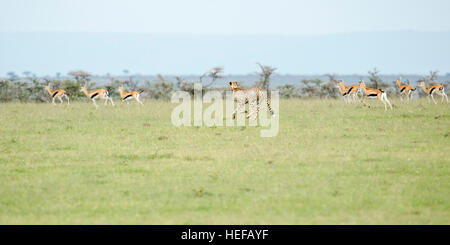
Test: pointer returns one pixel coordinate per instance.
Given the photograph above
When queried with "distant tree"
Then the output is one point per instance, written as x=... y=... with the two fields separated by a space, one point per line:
x=431 y=78
x=214 y=74
x=433 y=75
x=328 y=89
x=311 y=87
x=80 y=76
x=27 y=73
x=331 y=78
x=289 y=91
x=375 y=81
x=160 y=89
x=264 y=76
x=130 y=83
x=11 y=75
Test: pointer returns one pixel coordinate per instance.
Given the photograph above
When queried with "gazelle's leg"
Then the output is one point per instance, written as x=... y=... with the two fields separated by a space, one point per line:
x=445 y=95
x=401 y=96
x=93 y=101
x=386 y=99
x=67 y=97
x=138 y=100
x=110 y=99
x=432 y=97
x=60 y=99
x=364 y=100
x=380 y=98
x=355 y=94
x=53 y=101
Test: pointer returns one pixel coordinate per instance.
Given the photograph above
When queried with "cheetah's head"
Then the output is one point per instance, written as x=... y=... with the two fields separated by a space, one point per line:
x=233 y=84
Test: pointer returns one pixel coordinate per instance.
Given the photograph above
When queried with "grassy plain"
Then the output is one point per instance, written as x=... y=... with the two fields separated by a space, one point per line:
x=331 y=163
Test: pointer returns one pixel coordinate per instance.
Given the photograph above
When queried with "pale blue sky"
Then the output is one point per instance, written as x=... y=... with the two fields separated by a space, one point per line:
x=191 y=36
x=289 y=17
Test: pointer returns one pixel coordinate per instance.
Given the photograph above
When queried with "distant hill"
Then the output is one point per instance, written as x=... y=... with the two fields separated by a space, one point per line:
x=403 y=52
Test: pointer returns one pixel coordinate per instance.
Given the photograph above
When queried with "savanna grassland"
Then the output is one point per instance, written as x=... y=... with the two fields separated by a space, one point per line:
x=331 y=163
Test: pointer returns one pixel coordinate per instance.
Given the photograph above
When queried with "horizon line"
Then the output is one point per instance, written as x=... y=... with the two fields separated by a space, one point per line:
x=221 y=34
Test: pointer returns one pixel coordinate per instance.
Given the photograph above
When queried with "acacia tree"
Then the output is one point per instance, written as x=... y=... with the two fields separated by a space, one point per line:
x=374 y=78
x=215 y=73
x=328 y=89
x=160 y=89
x=431 y=78
x=80 y=76
x=264 y=74
x=375 y=81
x=331 y=77
x=130 y=82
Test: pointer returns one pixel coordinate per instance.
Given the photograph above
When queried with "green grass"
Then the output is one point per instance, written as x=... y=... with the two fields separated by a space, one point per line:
x=331 y=163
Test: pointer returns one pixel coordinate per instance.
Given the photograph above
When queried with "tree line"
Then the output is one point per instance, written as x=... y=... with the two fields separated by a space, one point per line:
x=30 y=88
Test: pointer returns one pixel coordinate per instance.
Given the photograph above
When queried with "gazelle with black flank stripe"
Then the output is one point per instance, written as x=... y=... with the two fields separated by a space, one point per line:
x=347 y=91
x=60 y=93
x=405 y=89
x=374 y=93
x=434 y=89
x=130 y=95
x=98 y=93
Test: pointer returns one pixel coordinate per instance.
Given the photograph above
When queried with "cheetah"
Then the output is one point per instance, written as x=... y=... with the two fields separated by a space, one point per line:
x=251 y=96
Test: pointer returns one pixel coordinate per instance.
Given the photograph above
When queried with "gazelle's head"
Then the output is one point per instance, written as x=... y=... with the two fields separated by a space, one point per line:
x=340 y=86
x=47 y=88
x=120 y=88
x=362 y=84
x=233 y=85
x=83 y=88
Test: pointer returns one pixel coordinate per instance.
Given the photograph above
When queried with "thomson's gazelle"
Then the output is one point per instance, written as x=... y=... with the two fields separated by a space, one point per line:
x=57 y=93
x=375 y=93
x=98 y=93
x=405 y=89
x=128 y=95
x=347 y=91
x=438 y=88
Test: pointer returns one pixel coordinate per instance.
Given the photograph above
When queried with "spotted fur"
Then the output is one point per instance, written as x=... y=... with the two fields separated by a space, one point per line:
x=250 y=96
